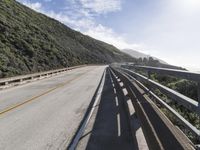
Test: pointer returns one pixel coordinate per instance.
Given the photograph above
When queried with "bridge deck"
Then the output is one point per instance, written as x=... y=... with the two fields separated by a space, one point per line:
x=109 y=129
x=47 y=111
x=47 y=114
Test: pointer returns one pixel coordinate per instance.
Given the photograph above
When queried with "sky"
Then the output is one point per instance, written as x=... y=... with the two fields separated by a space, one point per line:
x=167 y=29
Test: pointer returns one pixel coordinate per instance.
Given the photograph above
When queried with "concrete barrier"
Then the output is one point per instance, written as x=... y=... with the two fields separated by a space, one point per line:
x=18 y=80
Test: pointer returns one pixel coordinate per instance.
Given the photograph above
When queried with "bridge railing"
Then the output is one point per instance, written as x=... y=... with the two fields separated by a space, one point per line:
x=7 y=82
x=172 y=72
x=180 y=99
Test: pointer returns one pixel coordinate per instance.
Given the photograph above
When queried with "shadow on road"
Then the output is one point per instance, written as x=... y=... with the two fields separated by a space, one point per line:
x=111 y=130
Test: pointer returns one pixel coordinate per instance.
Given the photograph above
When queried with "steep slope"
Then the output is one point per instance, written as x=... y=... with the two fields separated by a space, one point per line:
x=138 y=54
x=32 y=42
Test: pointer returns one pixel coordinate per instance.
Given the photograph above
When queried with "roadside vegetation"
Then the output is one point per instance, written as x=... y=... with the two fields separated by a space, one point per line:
x=185 y=87
x=32 y=42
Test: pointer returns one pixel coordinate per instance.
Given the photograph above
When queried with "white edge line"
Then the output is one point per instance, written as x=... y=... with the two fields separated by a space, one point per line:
x=118 y=124
x=82 y=129
x=116 y=100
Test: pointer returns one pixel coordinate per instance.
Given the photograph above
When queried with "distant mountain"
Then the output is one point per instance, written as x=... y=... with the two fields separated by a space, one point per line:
x=149 y=61
x=138 y=54
x=32 y=42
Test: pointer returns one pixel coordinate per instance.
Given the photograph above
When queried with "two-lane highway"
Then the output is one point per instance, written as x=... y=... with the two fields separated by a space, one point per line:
x=46 y=113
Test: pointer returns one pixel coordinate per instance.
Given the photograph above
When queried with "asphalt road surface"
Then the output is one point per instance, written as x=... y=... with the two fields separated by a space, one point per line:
x=46 y=113
x=110 y=128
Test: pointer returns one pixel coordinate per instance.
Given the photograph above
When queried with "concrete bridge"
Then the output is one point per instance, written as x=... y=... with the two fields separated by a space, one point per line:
x=94 y=108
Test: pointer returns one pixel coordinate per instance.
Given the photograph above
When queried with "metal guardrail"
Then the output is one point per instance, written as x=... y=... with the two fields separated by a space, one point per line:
x=172 y=72
x=159 y=132
x=190 y=104
x=177 y=73
x=183 y=100
x=18 y=79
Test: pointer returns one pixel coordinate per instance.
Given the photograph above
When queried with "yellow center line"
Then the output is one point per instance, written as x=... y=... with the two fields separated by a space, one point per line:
x=35 y=97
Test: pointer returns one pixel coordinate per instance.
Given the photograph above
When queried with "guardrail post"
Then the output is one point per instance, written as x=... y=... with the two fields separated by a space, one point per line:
x=198 y=89
x=149 y=74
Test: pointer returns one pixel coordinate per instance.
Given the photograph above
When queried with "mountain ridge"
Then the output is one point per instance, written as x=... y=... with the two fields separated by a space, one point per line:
x=138 y=54
x=32 y=42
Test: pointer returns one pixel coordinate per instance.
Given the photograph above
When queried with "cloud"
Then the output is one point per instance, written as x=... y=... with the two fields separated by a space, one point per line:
x=106 y=34
x=35 y=6
x=187 y=6
x=78 y=24
x=80 y=15
x=101 y=6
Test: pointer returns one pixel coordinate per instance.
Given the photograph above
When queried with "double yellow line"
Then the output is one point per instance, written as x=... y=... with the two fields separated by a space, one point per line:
x=35 y=97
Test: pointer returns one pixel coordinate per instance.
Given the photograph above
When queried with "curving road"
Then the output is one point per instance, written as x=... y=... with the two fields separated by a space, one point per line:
x=46 y=113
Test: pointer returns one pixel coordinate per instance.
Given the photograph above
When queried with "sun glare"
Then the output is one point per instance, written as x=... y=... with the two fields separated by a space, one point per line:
x=191 y=6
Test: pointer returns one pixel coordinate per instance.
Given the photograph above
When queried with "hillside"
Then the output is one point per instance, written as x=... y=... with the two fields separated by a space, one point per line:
x=138 y=54
x=32 y=42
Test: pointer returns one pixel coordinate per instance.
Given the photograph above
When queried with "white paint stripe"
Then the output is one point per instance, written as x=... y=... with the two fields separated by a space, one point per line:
x=116 y=100
x=115 y=91
x=82 y=129
x=113 y=85
x=111 y=78
x=118 y=125
x=125 y=92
